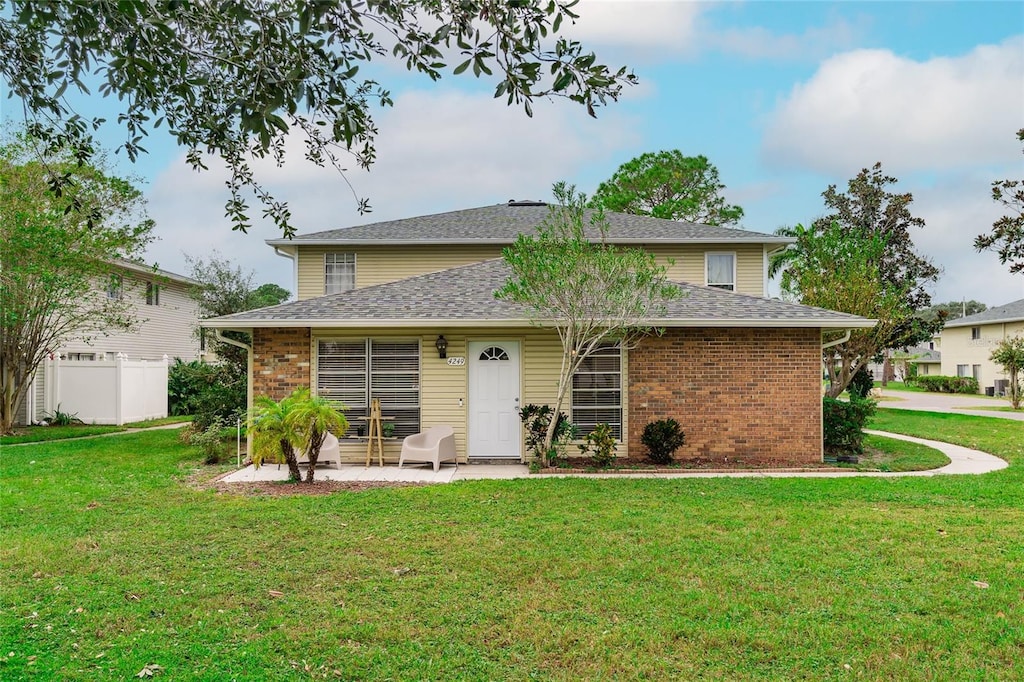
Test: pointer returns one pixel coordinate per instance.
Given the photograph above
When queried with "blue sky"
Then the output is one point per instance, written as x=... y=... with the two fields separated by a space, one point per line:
x=784 y=98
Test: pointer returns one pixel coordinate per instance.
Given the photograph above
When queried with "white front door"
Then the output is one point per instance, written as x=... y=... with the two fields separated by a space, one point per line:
x=493 y=399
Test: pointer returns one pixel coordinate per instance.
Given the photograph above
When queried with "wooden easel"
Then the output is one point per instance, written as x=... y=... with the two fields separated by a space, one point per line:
x=374 y=433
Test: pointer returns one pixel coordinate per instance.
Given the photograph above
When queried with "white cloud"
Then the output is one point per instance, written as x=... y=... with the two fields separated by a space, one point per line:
x=755 y=42
x=437 y=151
x=644 y=25
x=955 y=211
x=872 y=105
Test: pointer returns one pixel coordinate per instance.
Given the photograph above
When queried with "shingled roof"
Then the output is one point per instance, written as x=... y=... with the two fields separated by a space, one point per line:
x=1011 y=312
x=501 y=224
x=464 y=296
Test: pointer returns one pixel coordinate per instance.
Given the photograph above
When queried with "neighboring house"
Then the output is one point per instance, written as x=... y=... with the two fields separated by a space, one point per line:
x=167 y=318
x=926 y=358
x=968 y=342
x=405 y=311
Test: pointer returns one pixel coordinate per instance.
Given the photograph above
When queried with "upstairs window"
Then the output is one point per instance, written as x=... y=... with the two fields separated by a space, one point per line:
x=720 y=271
x=339 y=272
x=975 y=333
x=152 y=294
x=115 y=287
x=597 y=391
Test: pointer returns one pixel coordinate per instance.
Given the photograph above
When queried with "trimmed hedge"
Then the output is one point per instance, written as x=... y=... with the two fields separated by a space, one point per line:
x=940 y=384
x=844 y=425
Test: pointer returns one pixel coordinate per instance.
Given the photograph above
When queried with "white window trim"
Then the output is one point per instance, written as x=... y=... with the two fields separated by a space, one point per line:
x=622 y=397
x=735 y=262
x=355 y=269
x=368 y=342
x=152 y=294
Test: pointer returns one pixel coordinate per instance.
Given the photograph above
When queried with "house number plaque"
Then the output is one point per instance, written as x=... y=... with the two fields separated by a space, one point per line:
x=456 y=362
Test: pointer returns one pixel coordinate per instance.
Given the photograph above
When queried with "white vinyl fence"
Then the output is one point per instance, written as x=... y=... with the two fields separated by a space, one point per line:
x=114 y=391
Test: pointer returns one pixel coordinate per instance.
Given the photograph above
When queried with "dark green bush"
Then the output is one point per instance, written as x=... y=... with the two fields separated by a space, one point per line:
x=861 y=384
x=942 y=384
x=536 y=419
x=662 y=438
x=600 y=445
x=844 y=425
x=209 y=391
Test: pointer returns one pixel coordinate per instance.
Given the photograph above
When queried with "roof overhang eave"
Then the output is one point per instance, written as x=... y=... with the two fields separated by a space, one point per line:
x=244 y=325
x=760 y=239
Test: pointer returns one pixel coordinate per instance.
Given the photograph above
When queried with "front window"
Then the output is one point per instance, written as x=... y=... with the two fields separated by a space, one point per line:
x=353 y=372
x=597 y=390
x=721 y=271
x=339 y=272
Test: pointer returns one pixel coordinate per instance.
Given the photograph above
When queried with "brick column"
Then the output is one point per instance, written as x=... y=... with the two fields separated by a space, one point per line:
x=281 y=361
x=737 y=393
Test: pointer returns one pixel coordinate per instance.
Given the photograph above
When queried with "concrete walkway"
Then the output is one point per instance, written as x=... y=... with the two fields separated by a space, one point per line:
x=962 y=461
x=946 y=402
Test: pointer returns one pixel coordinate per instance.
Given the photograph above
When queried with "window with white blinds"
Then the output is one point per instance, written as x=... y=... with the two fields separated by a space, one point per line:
x=353 y=372
x=597 y=391
x=339 y=272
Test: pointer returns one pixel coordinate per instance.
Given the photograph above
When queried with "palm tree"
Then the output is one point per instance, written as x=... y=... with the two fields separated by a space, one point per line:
x=780 y=261
x=313 y=417
x=275 y=435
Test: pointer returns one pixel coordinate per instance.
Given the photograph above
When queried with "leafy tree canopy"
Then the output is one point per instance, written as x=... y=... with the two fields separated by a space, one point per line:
x=668 y=185
x=1007 y=235
x=1009 y=354
x=233 y=79
x=952 y=310
x=589 y=291
x=57 y=259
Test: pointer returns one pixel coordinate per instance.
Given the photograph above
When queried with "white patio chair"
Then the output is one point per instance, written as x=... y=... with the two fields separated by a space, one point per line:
x=330 y=451
x=433 y=446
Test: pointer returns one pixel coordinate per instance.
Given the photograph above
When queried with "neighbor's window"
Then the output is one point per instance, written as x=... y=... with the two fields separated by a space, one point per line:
x=597 y=391
x=115 y=287
x=963 y=370
x=975 y=333
x=339 y=272
x=352 y=372
x=81 y=356
x=721 y=270
x=976 y=372
x=152 y=294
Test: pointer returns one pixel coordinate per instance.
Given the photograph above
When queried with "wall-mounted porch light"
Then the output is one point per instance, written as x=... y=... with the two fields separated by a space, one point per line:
x=442 y=346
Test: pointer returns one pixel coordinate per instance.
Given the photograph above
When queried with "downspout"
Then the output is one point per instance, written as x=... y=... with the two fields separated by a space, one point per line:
x=821 y=407
x=295 y=269
x=219 y=335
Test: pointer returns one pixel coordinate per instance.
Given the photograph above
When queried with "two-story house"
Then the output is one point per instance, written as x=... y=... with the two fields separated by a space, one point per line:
x=404 y=311
x=967 y=344
x=167 y=317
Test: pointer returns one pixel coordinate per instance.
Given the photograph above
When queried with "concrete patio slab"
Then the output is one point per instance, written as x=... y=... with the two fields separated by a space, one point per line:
x=962 y=461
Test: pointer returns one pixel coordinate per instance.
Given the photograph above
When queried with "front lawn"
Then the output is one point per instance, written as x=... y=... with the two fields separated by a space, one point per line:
x=38 y=434
x=113 y=561
x=891 y=454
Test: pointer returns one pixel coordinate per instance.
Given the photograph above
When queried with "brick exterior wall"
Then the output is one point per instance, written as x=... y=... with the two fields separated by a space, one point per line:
x=738 y=393
x=281 y=361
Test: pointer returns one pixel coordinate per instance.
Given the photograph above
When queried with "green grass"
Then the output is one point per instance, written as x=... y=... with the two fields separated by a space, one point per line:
x=987 y=408
x=899 y=386
x=890 y=454
x=149 y=423
x=111 y=562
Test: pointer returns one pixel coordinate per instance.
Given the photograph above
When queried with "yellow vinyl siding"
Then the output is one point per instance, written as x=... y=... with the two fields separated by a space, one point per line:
x=689 y=263
x=958 y=348
x=382 y=264
x=443 y=385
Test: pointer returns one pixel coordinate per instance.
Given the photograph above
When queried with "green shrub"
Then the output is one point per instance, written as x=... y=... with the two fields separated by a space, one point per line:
x=210 y=440
x=208 y=391
x=844 y=425
x=536 y=419
x=600 y=445
x=58 y=418
x=861 y=384
x=942 y=384
x=662 y=438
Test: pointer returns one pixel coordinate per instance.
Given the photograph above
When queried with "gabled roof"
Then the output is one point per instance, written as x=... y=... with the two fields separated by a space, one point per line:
x=501 y=224
x=1011 y=312
x=464 y=296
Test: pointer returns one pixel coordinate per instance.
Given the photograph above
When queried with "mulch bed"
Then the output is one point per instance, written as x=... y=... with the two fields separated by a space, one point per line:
x=639 y=465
